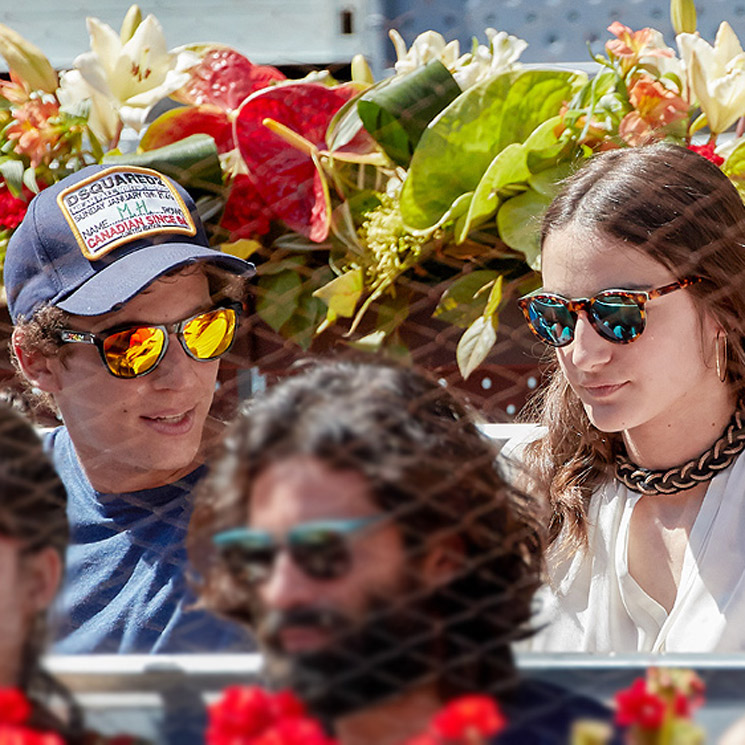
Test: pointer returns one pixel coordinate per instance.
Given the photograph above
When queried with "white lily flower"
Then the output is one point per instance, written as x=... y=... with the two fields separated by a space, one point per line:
x=426 y=47
x=488 y=61
x=468 y=69
x=103 y=117
x=135 y=75
x=716 y=75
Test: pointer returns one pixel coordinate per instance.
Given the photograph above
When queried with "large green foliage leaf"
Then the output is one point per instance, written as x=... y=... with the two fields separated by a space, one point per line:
x=397 y=111
x=193 y=161
x=508 y=167
x=519 y=223
x=459 y=145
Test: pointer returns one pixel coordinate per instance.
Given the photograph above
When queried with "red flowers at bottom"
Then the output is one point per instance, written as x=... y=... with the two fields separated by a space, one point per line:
x=467 y=719
x=15 y=711
x=639 y=706
x=249 y=715
x=707 y=151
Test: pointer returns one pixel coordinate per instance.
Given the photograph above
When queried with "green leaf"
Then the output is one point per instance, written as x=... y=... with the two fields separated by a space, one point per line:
x=457 y=148
x=29 y=180
x=519 y=223
x=397 y=111
x=734 y=168
x=495 y=298
x=475 y=344
x=193 y=161
x=12 y=172
x=278 y=297
x=301 y=327
x=548 y=181
x=508 y=167
x=342 y=294
x=459 y=304
x=344 y=125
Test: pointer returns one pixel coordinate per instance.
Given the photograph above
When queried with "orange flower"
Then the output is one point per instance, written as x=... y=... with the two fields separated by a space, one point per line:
x=655 y=109
x=630 y=46
x=34 y=130
x=14 y=90
x=635 y=44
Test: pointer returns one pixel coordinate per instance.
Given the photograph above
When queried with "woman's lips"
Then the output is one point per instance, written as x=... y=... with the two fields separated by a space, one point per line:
x=603 y=391
x=171 y=424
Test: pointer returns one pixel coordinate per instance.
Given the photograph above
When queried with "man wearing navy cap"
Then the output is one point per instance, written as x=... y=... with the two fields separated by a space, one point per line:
x=121 y=312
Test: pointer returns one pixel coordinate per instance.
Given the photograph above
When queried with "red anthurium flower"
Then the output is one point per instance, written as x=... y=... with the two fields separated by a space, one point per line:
x=246 y=215
x=177 y=124
x=225 y=77
x=14 y=707
x=469 y=715
x=707 y=151
x=218 y=85
x=285 y=174
x=637 y=705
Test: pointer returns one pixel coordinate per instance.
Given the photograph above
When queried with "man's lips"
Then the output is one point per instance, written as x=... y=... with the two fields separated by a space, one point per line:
x=170 y=423
x=299 y=639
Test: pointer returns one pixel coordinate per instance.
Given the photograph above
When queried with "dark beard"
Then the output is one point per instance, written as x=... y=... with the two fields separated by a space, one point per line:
x=366 y=663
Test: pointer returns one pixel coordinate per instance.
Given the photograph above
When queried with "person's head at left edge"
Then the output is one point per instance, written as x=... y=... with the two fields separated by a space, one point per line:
x=121 y=311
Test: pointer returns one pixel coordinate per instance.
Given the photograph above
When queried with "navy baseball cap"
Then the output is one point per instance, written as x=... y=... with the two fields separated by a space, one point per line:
x=91 y=242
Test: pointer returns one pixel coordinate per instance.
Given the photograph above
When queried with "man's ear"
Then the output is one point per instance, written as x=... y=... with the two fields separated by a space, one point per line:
x=42 y=577
x=443 y=560
x=39 y=369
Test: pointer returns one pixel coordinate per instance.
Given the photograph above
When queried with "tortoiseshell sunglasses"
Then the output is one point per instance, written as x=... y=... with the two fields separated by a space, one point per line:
x=617 y=315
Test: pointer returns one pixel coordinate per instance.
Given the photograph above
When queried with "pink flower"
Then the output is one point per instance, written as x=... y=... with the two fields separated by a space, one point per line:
x=35 y=130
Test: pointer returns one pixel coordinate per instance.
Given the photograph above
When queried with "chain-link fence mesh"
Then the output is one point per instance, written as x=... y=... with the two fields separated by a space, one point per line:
x=353 y=533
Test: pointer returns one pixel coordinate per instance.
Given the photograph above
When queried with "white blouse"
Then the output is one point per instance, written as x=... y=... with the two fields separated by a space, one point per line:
x=593 y=604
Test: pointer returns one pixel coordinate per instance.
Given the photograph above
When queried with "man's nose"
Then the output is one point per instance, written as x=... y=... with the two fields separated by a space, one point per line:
x=287 y=586
x=588 y=349
x=176 y=367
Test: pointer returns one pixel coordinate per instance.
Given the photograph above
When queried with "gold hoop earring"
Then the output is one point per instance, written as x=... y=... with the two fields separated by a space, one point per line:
x=721 y=365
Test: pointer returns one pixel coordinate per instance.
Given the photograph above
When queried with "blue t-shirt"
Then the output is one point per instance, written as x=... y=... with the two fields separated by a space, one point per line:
x=126 y=588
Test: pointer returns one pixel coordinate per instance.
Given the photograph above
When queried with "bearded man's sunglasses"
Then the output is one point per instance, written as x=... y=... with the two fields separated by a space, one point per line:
x=618 y=316
x=320 y=548
x=134 y=350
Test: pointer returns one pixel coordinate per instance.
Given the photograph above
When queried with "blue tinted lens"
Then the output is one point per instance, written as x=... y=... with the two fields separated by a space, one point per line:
x=552 y=320
x=618 y=317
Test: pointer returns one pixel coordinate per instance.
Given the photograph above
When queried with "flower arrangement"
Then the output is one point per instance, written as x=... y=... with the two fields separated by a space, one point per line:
x=351 y=196
x=655 y=710
x=15 y=713
x=249 y=715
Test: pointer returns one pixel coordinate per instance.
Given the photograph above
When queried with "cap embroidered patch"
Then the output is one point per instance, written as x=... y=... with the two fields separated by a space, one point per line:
x=121 y=204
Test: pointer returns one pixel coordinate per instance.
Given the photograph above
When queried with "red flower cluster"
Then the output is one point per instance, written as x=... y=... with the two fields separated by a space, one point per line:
x=15 y=711
x=468 y=719
x=637 y=705
x=248 y=715
x=12 y=209
x=707 y=151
